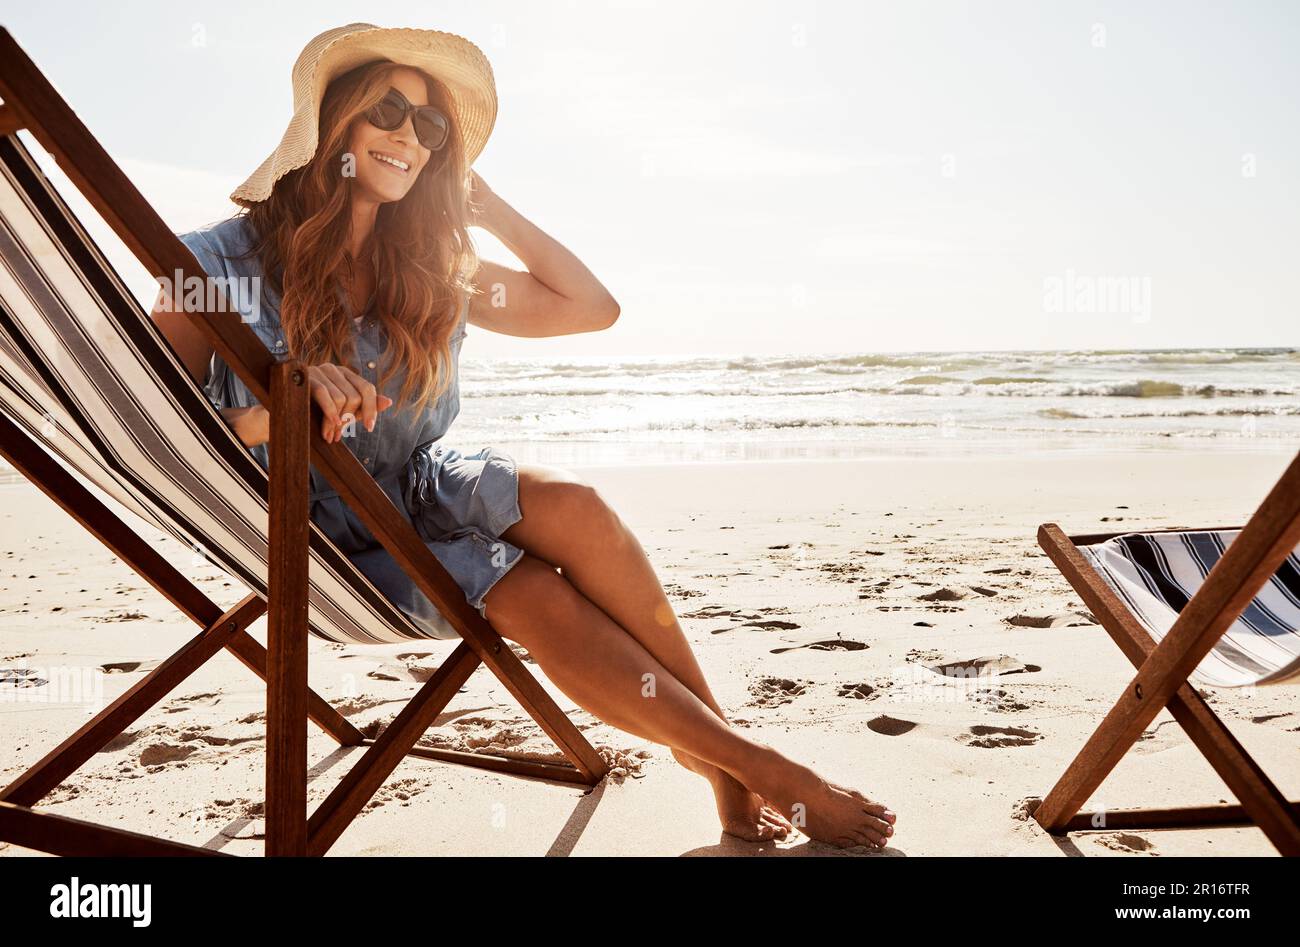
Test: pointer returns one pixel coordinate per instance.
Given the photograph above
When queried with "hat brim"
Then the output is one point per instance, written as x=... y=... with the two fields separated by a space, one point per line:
x=453 y=60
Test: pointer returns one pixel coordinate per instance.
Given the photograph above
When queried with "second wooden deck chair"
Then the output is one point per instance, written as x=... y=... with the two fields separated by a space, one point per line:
x=87 y=385
x=1221 y=606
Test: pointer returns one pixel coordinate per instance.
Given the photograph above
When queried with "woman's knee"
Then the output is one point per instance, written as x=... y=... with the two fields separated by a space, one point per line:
x=561 y=495
x=532 y=595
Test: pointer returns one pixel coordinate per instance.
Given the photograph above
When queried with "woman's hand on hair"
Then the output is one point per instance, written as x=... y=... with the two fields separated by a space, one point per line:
x=481 y=196
x=344 y=396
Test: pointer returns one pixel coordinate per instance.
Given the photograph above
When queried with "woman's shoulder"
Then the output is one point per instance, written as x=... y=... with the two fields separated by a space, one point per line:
x=222 y=247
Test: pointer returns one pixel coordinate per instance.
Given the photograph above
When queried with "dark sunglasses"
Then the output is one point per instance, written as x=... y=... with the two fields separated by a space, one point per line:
x=432 y=129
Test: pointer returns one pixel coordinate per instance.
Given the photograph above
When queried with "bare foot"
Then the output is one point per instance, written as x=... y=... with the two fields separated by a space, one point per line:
x=821 y=809
x=742 y=813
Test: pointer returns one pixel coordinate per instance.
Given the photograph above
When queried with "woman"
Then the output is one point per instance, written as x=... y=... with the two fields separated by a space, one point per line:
x=356 y=228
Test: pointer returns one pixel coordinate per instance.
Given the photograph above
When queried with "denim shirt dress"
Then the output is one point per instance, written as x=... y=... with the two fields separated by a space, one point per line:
x=458 y=504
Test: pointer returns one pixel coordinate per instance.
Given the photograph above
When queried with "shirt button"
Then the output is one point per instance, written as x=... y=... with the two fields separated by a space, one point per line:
x=370 y=364
x=366 y=461
x=279 y=343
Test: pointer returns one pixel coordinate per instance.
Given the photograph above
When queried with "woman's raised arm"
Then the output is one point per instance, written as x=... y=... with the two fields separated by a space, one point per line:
x=557 y=295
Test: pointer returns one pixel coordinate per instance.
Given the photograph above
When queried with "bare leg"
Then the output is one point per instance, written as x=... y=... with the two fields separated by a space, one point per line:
x=568 y=525
x=605 y=669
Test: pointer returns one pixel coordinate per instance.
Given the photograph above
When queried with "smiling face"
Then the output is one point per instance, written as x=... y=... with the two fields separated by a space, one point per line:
x=389 y=162
x=412 y=222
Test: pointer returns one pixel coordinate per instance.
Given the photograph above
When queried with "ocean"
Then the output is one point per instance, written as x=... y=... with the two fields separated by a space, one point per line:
x=614 y=411
x=647 y=410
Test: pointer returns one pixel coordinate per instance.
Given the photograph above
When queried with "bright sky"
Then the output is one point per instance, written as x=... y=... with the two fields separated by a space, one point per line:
x=772 y=177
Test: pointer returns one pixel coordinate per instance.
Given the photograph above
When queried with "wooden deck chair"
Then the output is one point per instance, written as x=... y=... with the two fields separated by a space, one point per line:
x=88 y=386
x=1219 y=606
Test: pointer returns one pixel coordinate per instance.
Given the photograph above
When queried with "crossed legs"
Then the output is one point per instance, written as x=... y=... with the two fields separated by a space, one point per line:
x=603 y=631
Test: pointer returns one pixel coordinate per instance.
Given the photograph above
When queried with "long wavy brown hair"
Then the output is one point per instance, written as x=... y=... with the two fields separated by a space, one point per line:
x=424 y=258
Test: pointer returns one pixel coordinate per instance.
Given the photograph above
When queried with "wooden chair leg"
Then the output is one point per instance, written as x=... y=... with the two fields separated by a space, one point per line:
x=1260 y=798
x=60 y=835
x=355 y=789
x=63 y=760
x=29 y=459
x=319 y=711
x=286 y=683
x=516 y=764
x=530 y=694
x=333 y=816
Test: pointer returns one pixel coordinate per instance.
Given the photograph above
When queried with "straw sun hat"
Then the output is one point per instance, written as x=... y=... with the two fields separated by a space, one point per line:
x=453 y=60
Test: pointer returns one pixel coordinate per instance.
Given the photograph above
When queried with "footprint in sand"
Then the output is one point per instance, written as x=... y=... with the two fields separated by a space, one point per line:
x=918 y=656
x=942 y=595
x=1128 y=843
x=986 y=666
x=125 y=739
x=1025 y=808
x=775 y=691
x=873 y=591
x=998 y=700
x=478 y=733
x=126 y=667
x=157 y=754
x=842 y=571
x=912 y=608
x=190 y=701
x=856 y=691
x=417 y=671
x=1162 y=736
x=890 y=726
x=400 y=791
x=21 y=677
x=201 y=735
x=717 y=611
x=993 y=738
x=835 y=644
x=770 y=624
x=350 y=706
x=62 y=793
x=518 y=736
x=1063 y=620
x=1269 y=718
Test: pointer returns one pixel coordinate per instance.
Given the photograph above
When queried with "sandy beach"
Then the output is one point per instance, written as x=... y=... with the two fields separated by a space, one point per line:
x=824 y=599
